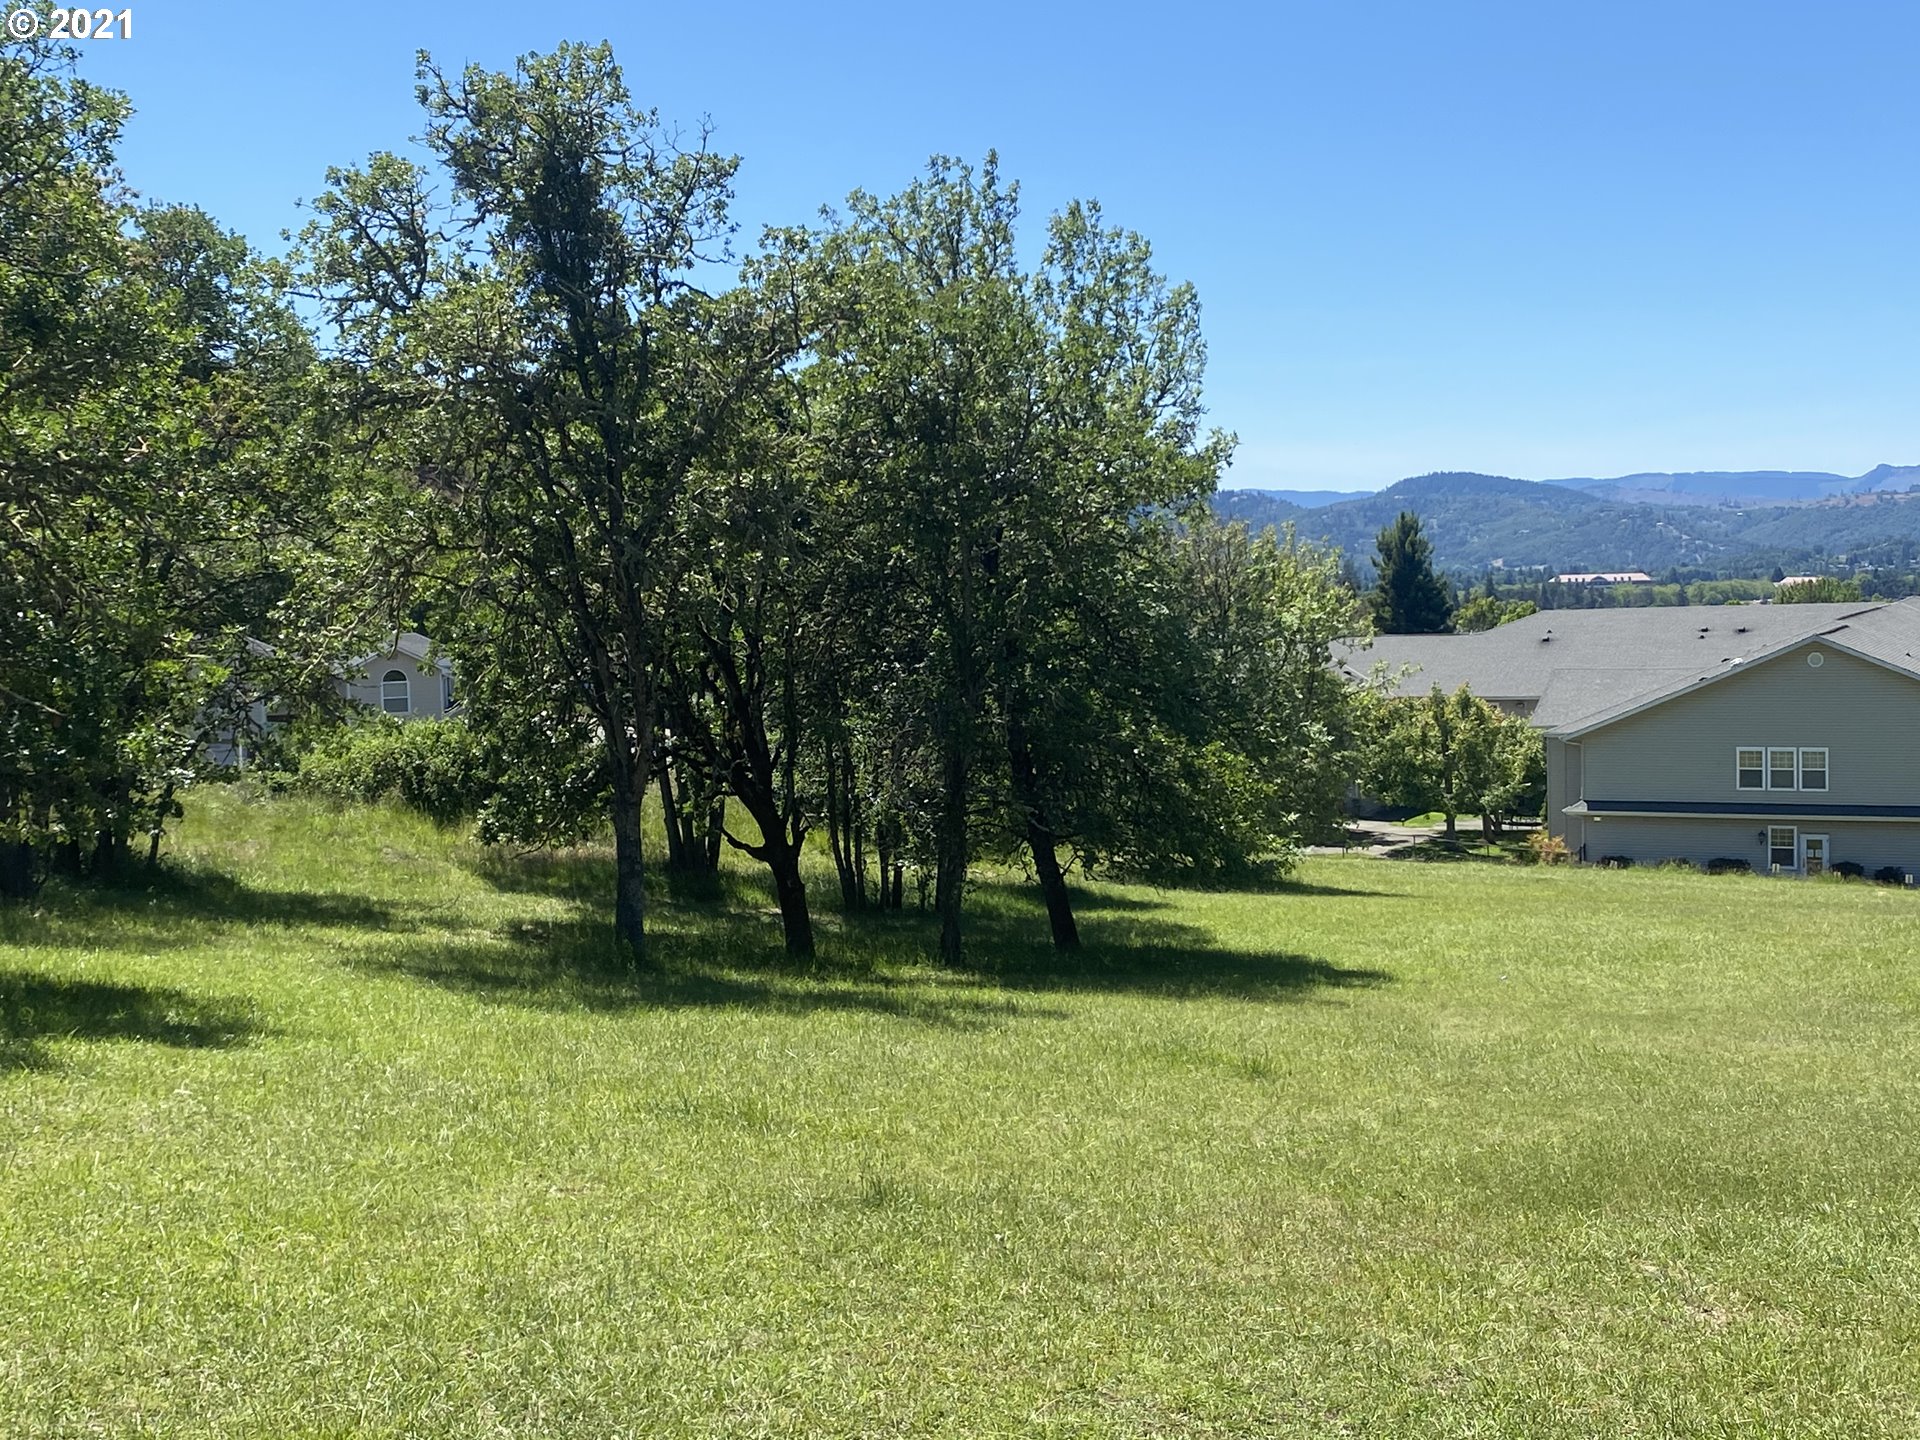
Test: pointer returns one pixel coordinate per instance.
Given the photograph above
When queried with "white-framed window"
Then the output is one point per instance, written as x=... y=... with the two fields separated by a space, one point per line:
x=1780 y=767
x=446 y=692
x=1783 y=768
x=1783 y=847
x=1813 y=767
x=396 y=696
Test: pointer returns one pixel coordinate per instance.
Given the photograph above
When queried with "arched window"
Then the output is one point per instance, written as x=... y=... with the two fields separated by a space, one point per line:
x=396 y=698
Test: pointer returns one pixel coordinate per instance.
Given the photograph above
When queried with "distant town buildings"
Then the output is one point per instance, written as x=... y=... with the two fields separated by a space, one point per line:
x=1606 y=577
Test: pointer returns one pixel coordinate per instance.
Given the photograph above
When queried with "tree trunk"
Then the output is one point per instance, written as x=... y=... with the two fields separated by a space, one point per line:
x=1041 y=841
x=950 y=852
x=629 y=882
x=842 y=835
x=670 y=814
x=791 y=891
x=716 y=827
x=779 y=850
x=159 y=826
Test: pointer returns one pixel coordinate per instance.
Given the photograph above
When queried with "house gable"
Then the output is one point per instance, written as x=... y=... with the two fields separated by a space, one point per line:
x=1865 y=712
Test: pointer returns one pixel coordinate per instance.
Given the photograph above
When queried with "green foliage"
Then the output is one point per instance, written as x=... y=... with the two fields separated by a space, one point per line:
x=1455 y=754
x=1408 y=598
x=1484 y=612
x=433 y=766
x=150 y=407
x=1822 y=590
x=525 y=358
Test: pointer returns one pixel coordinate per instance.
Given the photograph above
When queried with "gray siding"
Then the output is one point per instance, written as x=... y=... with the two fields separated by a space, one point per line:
x=1563 y=788
x=424 y=689
x=1867 y=716
x=1649 y=841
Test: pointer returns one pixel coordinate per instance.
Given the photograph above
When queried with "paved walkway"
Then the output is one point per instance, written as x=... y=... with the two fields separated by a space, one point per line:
x=1389 y=841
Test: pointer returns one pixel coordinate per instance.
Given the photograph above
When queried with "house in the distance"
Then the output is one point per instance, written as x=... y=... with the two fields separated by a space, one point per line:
x=1604 y=577
x=400 y=680
x=1784 y=736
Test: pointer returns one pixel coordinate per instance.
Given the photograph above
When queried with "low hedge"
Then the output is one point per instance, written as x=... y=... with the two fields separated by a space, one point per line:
x=432 y=766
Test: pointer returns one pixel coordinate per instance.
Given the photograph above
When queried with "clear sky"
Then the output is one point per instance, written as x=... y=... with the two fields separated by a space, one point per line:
x=1522 y=238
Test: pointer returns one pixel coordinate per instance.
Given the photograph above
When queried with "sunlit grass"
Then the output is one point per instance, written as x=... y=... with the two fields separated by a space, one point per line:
x=348 y=1128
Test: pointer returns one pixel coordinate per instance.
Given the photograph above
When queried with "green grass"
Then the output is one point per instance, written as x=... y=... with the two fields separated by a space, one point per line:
x=346 y=1128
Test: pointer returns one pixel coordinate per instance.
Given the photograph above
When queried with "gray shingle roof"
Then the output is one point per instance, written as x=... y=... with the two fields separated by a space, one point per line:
x=1582 y=665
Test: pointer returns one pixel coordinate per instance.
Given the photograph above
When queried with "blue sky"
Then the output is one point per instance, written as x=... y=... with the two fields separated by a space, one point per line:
x=1537 y=240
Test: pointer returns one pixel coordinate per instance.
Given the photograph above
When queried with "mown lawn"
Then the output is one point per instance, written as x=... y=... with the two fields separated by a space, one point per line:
x=348 y=1130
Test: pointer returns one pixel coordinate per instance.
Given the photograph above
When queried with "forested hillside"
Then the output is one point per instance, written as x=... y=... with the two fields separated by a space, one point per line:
x=1477 y=521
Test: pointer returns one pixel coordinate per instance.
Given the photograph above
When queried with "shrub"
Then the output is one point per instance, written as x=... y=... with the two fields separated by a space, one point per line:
x=1547 y=849
x=1850 y=870
x=1729 y=865
x=1616 y=862
x=432 y=766
x=1890 y=875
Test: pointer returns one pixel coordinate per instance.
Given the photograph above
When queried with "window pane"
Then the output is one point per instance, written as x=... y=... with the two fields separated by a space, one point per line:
x=1813 y=769
x=394 y=697
x=1751 y=765
x=1780 y=768
x=1783 y=847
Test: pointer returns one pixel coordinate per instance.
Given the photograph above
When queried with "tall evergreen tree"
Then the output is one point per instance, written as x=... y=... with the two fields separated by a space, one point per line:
x=1408 y=598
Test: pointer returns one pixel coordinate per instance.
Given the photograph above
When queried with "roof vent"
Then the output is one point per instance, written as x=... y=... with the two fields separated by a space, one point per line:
x=1739 y=629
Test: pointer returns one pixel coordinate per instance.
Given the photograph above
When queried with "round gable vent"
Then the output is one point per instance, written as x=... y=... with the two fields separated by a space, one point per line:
x=1815 y=659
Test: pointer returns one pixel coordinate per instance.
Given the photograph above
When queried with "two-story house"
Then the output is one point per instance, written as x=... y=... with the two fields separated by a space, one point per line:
x=1787 y=736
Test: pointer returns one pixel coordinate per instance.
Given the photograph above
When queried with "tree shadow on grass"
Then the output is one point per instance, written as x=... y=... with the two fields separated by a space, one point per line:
x=172 y=907
x=1439 y=852
x=1008 y=944
x=35 y=1009
x=721 y=963
x=724 y=949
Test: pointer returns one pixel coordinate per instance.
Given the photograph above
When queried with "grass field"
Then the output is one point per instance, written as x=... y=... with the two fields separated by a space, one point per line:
x=346 y=1129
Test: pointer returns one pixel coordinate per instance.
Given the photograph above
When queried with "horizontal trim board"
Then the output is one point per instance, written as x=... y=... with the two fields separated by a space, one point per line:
x=1737 y=810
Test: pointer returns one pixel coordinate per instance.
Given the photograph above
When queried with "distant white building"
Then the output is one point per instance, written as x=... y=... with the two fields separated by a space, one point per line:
x=1606 y=577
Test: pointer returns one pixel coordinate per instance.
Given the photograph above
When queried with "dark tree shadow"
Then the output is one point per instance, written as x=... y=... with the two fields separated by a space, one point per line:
x=722 y=947
x=732 y=963
x=169 y=908
x=38 y=1008
x=1008 y=945
x=1439 y=852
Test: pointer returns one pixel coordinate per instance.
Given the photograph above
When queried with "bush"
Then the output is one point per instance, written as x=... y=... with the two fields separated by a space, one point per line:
x=1850 y=870
x=432 y=766
x=1890 y=875
x=1729 y=865
x=1616 y=862
x=1547 y=849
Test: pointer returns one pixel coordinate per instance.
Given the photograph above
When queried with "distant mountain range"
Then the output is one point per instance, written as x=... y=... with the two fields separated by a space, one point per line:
x=1746 y=487
x=1723 y=520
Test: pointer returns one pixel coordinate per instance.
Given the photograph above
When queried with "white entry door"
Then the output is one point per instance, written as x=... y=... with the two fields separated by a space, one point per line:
x=1813 y=855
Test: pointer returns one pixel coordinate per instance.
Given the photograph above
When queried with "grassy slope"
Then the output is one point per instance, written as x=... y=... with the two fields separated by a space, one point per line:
x=360 y=1139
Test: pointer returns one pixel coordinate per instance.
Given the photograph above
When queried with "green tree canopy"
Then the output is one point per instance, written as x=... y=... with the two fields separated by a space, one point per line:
x=1408 y=598
x=1822 y=590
